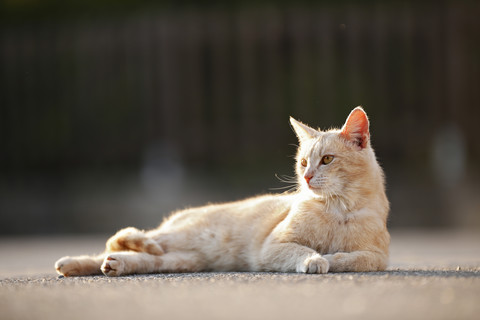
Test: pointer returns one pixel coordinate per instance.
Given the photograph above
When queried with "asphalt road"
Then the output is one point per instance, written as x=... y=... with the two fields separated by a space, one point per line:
x=432 y=275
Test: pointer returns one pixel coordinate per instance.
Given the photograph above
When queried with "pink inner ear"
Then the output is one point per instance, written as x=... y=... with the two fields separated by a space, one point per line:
x=356 y=128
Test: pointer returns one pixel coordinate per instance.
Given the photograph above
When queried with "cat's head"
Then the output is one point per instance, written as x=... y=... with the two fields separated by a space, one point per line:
x=338 y=163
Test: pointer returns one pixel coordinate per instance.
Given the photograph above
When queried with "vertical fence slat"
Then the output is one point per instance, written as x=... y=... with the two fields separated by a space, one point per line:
x=169 y=78
x=272 y=68
x=196 y=119
x=247 y=84
x=298 y=34
x=221 y=91
x=324 y=49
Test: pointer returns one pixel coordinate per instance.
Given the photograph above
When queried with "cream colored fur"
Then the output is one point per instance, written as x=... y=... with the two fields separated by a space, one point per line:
x=335 y=221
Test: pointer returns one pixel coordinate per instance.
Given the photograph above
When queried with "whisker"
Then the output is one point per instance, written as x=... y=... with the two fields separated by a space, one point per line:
x=286 y=179
x=292 y=183
x=293 y=189
x=281 y=188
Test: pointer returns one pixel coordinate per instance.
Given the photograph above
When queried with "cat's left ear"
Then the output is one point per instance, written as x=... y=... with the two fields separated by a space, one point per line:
x=303 y=131
x=356 y=128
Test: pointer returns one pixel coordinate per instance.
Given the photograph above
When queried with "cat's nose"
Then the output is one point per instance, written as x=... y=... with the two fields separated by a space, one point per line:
x=308 y=178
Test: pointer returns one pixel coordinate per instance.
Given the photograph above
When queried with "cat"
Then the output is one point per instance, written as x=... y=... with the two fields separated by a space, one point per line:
x=335 y=220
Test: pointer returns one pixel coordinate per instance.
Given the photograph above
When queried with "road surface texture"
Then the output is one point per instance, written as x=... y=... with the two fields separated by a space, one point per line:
x=432 y=275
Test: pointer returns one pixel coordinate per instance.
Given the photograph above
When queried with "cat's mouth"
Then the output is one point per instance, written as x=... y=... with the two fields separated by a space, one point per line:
x=313 y=188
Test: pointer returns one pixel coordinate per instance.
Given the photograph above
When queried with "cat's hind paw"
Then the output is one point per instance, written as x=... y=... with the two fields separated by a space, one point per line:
x=113 y=265
x=78 y=266
x=314 y=264
x=67 y=267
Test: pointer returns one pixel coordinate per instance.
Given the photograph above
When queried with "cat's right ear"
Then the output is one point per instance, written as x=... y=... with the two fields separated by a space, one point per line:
x=303 y=131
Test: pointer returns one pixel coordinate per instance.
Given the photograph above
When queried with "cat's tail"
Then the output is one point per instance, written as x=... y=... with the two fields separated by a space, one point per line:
x=80 y=266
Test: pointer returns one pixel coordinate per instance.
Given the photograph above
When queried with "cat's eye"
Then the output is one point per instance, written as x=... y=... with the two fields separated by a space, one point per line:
x=303 y=162
x=327 y=159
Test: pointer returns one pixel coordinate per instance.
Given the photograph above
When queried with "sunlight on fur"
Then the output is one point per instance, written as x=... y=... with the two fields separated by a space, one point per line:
x=335 y=220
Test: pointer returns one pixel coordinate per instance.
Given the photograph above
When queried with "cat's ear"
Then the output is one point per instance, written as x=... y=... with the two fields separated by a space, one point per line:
x=356 y=128
x=303 y=131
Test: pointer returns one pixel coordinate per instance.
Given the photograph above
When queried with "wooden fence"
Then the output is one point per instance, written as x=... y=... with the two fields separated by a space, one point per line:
x=216 y=88
x=221 y=84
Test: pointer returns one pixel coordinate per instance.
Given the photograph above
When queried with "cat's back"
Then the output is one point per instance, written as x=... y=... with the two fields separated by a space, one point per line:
x=248 y=214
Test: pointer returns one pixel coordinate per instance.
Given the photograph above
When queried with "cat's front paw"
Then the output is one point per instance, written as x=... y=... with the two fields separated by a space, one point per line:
x=314 y=264
x=113 y=265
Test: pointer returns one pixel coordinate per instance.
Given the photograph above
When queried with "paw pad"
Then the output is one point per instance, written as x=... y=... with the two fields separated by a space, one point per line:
x=316 y=264
x=112 y=267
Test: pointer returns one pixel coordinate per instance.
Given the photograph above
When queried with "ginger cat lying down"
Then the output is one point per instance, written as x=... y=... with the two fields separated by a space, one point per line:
x=335 y=221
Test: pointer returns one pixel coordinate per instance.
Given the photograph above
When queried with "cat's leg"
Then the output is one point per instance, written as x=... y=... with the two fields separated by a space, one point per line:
x=132 y=239
x=291 y=257
x=79 y=266
x=123 y=263
x=357 y=261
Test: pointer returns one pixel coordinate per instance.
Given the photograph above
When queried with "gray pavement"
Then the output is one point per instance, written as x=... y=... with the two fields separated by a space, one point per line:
x=432 y=275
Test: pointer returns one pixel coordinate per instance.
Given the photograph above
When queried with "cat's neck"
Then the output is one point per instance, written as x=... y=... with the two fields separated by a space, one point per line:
x=336 y=205
x=341 y=205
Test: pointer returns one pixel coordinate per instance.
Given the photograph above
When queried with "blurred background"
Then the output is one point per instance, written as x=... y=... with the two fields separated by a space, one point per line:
x=116 y=112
